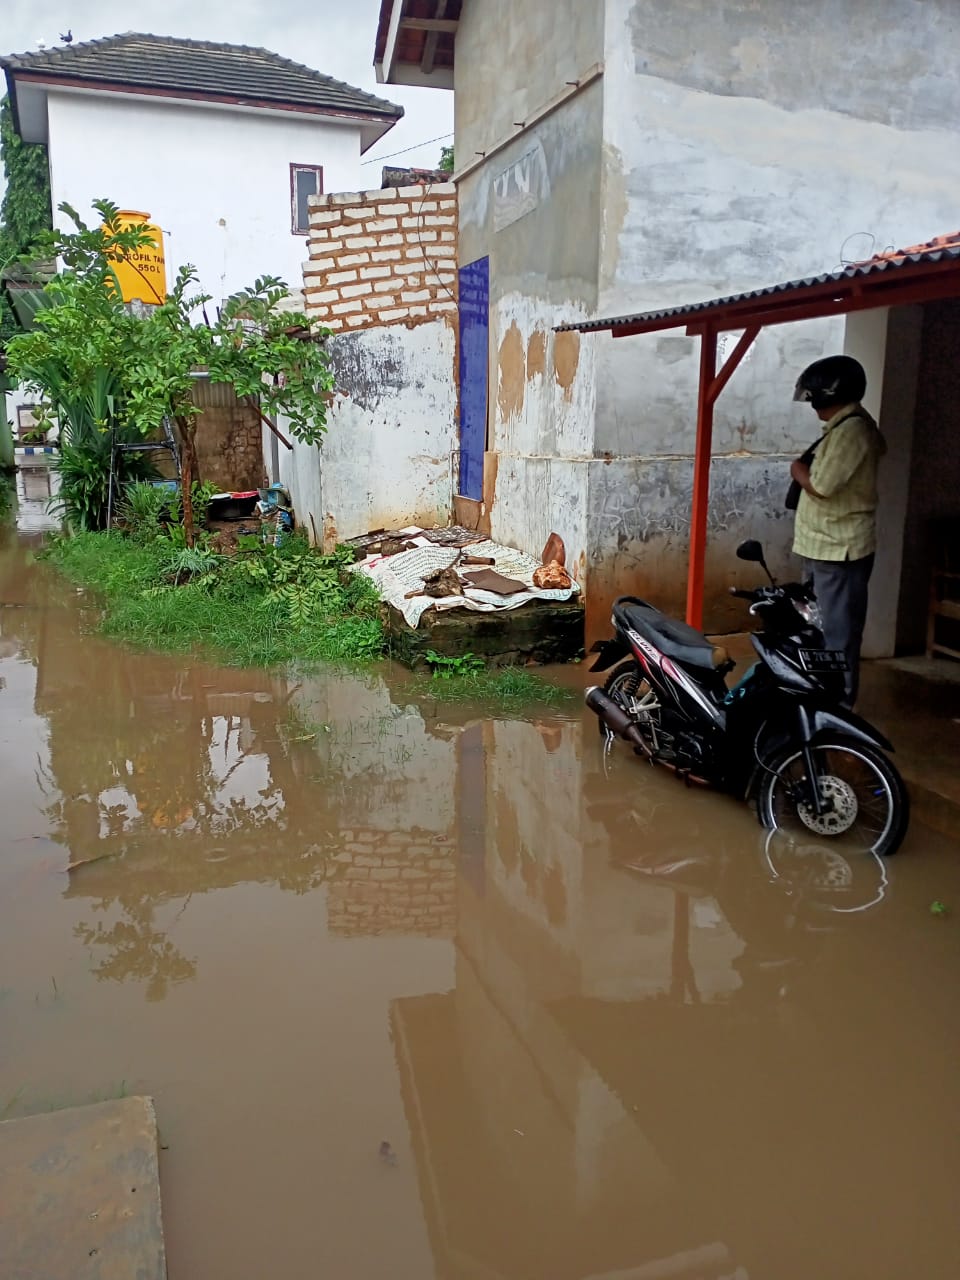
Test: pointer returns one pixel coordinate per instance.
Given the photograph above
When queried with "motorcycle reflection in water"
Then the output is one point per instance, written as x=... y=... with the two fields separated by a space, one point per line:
x=780 y=737
x=780 y=907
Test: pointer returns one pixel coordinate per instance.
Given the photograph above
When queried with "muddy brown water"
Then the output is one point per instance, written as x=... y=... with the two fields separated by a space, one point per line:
x=431 y=993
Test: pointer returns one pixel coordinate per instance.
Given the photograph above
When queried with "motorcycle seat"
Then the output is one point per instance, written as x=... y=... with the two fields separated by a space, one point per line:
x=671 y=637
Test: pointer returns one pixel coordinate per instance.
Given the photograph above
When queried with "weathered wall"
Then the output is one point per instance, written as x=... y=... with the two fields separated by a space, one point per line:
x=512 y=59
x=533 y=207
x=229 y=440
x=216 y=178
x=745 y=144
x=386 y=460
x=382 y=277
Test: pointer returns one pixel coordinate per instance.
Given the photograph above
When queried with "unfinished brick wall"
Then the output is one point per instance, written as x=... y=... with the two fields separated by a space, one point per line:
x=393 y=882
x=382 y=257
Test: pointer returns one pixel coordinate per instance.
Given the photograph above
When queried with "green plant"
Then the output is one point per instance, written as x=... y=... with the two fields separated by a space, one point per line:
x=244 y=609
x=25 y=211
x=84 y=471
x=510 y=688
x=446 y=160
x=146 y=508
x=442 y=668
x=261 y=350
x=196 y=563
x=201 y=494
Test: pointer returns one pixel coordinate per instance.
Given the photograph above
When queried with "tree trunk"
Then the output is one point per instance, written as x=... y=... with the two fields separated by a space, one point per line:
x=189 y=473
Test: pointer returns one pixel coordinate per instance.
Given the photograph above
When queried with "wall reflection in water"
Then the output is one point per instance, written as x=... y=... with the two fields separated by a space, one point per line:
x=659 y=1056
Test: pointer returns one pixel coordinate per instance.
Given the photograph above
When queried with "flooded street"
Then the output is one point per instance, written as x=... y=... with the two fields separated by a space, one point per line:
x=427 y=991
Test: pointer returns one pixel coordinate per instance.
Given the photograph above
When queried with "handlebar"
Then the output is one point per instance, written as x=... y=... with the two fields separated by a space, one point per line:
x=743 y=595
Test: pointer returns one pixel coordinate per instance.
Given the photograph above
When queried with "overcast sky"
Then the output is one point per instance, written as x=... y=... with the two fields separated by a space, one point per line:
x=333 y=36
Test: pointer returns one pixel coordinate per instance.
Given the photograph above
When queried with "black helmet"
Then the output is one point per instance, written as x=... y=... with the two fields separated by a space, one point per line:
x=833 y=381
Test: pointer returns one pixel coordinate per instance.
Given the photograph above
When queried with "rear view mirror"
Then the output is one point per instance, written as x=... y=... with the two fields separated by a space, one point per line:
x=750 y=550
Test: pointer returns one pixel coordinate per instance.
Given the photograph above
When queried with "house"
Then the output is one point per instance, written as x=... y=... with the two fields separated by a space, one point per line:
x=222 y=146
x=635 y=157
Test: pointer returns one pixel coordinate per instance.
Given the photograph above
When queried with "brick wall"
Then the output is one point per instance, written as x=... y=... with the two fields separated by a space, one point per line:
x=382 y=257
x=393 y=882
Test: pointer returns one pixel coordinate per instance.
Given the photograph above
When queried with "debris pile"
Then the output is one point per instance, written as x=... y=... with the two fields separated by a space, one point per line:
x=418 y=569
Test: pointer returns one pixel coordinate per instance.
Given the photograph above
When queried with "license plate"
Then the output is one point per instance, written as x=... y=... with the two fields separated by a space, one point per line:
x=824 y=660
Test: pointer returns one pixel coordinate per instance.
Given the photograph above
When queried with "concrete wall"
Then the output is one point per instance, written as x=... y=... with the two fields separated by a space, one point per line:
x=533 y=206
x=887 y=343
x=381 y=276
x=215 y=178
x=934 y=476
x=744 y=145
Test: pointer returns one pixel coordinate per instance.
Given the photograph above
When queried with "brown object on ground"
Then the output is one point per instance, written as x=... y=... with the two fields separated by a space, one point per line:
x=551 y=577
x=440 y=583
x=554 y=552
x=477 y=560
x=490 y=580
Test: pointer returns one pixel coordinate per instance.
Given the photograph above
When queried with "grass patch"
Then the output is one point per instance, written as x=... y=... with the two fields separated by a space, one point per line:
x=262 y=607
x=512 y=688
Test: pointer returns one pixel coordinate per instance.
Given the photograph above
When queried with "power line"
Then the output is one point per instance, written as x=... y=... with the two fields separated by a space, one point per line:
x=426 y=142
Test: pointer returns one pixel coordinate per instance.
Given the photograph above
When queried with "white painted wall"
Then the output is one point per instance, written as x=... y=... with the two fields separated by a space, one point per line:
x=386 y=459
x=215 y=178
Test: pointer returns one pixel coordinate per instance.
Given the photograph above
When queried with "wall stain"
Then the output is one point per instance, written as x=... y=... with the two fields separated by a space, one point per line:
x=536 y=354
x=364 y=374
x=512 y=374
x=566 y=358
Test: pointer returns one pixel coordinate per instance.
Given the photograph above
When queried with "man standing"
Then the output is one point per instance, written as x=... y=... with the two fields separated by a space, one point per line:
x=836 y=527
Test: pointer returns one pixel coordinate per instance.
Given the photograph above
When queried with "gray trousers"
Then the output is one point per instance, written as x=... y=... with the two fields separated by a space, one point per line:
x=841 y=589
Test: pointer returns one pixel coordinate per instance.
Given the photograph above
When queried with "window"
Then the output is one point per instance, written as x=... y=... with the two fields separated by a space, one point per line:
x=305 y=180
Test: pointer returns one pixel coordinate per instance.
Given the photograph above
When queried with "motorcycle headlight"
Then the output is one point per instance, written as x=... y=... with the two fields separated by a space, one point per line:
x=809 y=610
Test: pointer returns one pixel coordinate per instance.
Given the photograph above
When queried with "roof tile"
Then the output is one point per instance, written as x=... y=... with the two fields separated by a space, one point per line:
x=146 y=61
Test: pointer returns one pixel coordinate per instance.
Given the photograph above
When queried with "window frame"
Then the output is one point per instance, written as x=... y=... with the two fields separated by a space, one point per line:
x=317 y=171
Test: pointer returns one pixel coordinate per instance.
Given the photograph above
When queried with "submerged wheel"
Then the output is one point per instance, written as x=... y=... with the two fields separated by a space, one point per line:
x=867 y=806
x=629 y=688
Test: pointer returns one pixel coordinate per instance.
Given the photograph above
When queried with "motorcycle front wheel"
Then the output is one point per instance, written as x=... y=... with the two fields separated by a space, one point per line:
x=866 y=803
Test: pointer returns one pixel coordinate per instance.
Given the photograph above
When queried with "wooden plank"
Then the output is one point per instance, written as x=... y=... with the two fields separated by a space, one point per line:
x=447 y=25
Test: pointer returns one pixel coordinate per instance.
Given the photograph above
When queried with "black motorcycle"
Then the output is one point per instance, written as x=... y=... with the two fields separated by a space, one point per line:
x=779 y=737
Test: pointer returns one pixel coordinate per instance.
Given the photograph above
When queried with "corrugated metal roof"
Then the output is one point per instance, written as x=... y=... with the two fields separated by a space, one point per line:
x=948 y=249
x=147 y=61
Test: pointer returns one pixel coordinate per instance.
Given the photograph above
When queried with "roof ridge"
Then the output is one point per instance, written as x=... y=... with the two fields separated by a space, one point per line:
x=58 y=57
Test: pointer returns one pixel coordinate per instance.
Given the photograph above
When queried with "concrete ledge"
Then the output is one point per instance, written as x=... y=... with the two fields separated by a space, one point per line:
x=80 y=1194
x=543 y=631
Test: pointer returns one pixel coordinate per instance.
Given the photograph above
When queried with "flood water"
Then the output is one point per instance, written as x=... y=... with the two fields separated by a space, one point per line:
x=429 y=992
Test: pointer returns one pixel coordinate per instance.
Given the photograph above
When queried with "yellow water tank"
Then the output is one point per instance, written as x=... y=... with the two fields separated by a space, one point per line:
x=142 y=274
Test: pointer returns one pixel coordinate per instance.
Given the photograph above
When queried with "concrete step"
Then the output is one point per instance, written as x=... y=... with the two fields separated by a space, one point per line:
x=80 y=1194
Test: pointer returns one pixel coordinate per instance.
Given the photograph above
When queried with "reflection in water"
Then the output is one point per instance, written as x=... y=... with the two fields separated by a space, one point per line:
x=426 y=992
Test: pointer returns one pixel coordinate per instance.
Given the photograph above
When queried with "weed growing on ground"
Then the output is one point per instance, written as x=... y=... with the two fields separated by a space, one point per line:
x=262 y=607
x=465 y=678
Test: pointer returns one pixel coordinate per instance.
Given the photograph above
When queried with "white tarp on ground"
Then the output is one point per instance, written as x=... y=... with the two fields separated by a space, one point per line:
x=396 y=576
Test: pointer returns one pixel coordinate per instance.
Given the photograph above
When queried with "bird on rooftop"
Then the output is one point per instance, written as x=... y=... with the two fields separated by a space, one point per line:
x=68 y=38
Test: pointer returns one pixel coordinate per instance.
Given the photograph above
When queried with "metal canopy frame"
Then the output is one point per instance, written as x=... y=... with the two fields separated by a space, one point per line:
x=893 y=283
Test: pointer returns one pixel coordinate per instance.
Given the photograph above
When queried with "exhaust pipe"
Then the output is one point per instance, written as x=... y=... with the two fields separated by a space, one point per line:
x=616 y=719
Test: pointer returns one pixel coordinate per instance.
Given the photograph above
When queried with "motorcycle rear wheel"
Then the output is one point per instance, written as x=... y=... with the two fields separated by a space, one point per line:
x=629 y=688
x=869 y=805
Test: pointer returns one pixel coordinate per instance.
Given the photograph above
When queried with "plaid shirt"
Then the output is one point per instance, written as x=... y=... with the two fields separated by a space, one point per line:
x=841 y=523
